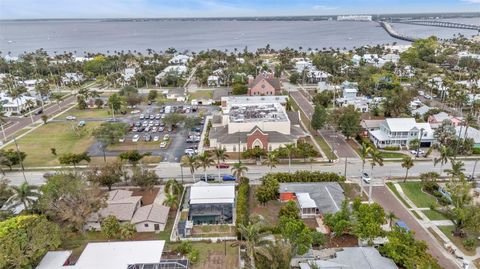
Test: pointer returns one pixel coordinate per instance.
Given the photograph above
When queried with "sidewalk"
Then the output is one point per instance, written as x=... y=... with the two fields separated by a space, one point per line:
x=427 y=223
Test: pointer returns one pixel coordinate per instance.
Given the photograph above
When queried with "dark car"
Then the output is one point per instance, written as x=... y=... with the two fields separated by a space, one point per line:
x=209 y=178
x=228 y=178
x=223 y=165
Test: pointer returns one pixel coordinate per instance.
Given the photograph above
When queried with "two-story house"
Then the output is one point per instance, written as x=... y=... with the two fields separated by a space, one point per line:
x=400 y=131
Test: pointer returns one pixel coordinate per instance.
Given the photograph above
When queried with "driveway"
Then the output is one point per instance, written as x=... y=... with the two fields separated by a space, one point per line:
x=384 y=197
x=338 y=144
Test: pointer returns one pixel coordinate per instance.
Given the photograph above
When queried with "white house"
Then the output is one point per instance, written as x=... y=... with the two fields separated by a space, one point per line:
x=400 y=131
x=150 y=218
x=176 y=70
x=211 y=203
x=213 y=81
x=128 y=74
x=180 y=59
x=16 y=105
x=350 y=98
x=113 y=255
x=72 y=78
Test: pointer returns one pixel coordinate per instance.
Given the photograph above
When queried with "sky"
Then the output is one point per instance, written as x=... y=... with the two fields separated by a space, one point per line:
x=44 y=9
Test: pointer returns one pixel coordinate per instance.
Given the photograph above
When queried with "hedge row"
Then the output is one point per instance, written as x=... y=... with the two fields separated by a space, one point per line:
x=305 y=176
x=242 y=202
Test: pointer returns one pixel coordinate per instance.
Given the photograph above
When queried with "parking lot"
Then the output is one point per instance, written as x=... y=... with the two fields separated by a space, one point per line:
x=149 y=133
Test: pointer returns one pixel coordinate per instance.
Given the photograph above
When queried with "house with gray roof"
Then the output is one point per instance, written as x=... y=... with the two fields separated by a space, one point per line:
x=472 y=133
x=352 y=258
x=313 y=198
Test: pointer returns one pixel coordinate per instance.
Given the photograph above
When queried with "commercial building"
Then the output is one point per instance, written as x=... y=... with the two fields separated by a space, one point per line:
x=264 y=84
x=211 y=203
x=254 y=122
x=400 y=131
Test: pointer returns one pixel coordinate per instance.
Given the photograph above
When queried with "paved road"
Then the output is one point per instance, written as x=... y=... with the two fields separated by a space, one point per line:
x=338 y=144
x=382 y=195
x=303 y=103
x=50 y=110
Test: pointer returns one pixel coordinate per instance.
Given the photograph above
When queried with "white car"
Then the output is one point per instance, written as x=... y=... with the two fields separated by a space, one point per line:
x=135 y=111
x=156 y=138
x=420 y=152
x=121 y=140
x=366 y=178
x=71 y=118
x=166 y=137
x=135 y=138
x=163 y=145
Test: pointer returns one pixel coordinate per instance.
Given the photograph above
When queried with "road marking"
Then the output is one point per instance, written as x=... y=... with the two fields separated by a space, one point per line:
x=329 y=194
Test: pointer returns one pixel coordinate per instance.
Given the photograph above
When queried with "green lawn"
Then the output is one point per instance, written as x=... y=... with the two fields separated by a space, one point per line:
x=325 y=147
x=201 y=94
x=414 y=192
x=58 y=135
x=392 y=154
x=434 y=215
x=394 y=190
x=89 y=113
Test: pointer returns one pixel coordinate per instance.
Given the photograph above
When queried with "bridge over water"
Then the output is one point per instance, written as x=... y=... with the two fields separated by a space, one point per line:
x=444 y=24
x=393 y=33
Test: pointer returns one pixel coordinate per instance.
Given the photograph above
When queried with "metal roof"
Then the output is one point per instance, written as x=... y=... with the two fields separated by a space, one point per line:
x=205 y=193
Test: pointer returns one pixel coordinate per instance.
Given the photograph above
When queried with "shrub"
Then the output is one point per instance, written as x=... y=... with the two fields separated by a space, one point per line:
x=305 y=176
x=392 y=148
x=430 y=187
x=242 y=202
x=268 y=190
x=476 y=151
x=289 y=210
x=184 y=248
x=193 y=255
x=470 y=243
x=318 y=238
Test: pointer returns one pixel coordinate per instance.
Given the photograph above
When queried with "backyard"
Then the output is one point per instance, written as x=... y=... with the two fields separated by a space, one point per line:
x=220 y=255
x=64 y=137
x=269 y=211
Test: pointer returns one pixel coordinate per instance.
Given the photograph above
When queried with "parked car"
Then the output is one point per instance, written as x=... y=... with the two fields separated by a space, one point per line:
x=228 y=178
x=71 y=118
x=223 y=165
x=166 y=137
x=81 y=123
x=147 y=129
x=163 y=145
x=208 y=178
x=420 y=152
x=156 y=138
x=135 y=138
x=147 y=137
x=402 y=224
x=157 y=117
x=161 y=129
x=154 y=129
x=190 y=152
x=142 y=116
x=135 y=111
x=152 y=117
x=121 y=139
x=135 y=129
x=366 y=178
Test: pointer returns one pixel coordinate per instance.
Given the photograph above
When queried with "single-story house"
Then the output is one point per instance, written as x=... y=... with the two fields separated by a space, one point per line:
x=313 y=199
x=150 y=218
x=471 y=132
x=437 y=119
x=421 y=111
x=211 y=203
x=114 y=255
x=128 y=209
x=351 y=258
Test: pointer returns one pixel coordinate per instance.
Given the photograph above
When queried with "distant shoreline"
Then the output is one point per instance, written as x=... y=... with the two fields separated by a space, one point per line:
x=268 y=18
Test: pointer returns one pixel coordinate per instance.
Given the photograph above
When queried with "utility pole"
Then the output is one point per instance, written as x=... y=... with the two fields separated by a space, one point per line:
x=474 y=167
x=181 y=171
x=20 y=159
x=345 y=171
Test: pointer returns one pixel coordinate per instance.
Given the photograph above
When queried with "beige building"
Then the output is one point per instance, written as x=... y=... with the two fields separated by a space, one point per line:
x=254 y=122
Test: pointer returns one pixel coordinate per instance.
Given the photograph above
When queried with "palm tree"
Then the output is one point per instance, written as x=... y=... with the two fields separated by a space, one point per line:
x=173 y=187
x=276 y=254
x=191 y=163
x=271 y=160
x=24 y=194
x=391 y=217
x=220 y=155
x=171 y=200
x=29 y=103
x=407 y=163
x=456 y=170
x=445 y=155
x=364 y=152
x=290 y=148
x=204 y=160
x=469 y=120
x=254 y=237
x=239 y=170
x=376 y=159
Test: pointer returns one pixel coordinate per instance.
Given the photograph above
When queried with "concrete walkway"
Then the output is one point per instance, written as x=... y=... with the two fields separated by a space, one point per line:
x=427 y=223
